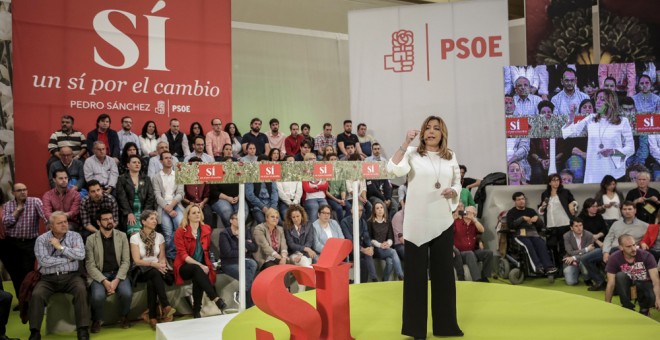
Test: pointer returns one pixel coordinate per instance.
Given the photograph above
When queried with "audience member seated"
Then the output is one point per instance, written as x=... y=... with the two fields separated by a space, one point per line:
x=651 y=239
x=314 y=195
x=177 y=141
x=367 y=267
x=223 y=199
x=216 y=139
x=292 y=142
x=21 y=217
x=304 y=130
x=466 y=198
x=260 y=197
x=366 y=142
x=362 y=189
x=198 y=194
x=380 y=190
x=632 y=267
x=192 y=240
x=107 y=260
x=557 y=207
x=397 y=229
x=250 y=153
x=581 y=252
x=130 y=149
x=127 y=136
x=168 y=199
x=629 y=225
x=527 y=223
x=229 y=255
x=101 y=168
x=289 y=193
x=275 y=155
x=325 y=228
x=198 y=152
x=299 y=235
x=382 y=236
x=236 y=140
x=272 y=248
x=645 y=198
x=66 y=137
x=468 y=182
x=149 y=140
x=134 y=195
x=74 y=168
x=336 y=194
x=195 y=131
x=305 y=149
x=467 y=241
x=348 y=138
x=275 y=137
x=375 y=154
x=105 y=134
x=148 y=254
x=593 y=221
x=609 y=200
x=58 y=254
x=257 y=138
x=350 y=150
x=92 y=205
x=155 y=166
x=227 y=154
x=62 y=198
x=325 y=138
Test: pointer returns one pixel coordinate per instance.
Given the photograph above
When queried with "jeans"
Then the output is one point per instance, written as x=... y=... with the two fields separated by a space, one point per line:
x=224 y=209
x=170 y=225
x=400 y=250
x=250 y=273
x=97 y=296
x=312 y=207
x=588 y=266
x=645 y=295
x=391 y=262
x=340 y=211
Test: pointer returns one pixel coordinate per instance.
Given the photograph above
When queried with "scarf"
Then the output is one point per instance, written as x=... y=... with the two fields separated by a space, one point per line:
x=149 y=242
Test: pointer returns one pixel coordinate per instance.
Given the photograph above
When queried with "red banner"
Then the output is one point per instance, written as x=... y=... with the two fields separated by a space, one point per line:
x=648 y=123
x=323 y=171
x=270 y=172
x=517 y=126
x=151 y=60
x=211 y=172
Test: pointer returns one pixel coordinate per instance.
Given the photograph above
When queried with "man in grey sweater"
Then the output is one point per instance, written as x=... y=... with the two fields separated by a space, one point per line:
x=628 y=224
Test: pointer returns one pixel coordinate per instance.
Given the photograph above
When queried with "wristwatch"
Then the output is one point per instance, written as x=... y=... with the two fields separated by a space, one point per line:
x=62 y=249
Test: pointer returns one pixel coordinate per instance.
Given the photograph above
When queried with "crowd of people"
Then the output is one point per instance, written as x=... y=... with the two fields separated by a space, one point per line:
x=603 y=133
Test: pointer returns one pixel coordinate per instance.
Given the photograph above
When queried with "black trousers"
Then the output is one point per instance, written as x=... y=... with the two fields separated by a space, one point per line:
x=71 y=283
x=21 y=261
x=435 y=257
x=5 y=308
x=155 y=291
x=200 y=284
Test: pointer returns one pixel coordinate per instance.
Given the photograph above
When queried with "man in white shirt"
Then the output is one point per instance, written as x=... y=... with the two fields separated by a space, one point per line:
x=375 y=153
x=155 y=166
x=570 y=97
x=198 y=148
x=168 y=197
x=526 y=103
x=101 y=168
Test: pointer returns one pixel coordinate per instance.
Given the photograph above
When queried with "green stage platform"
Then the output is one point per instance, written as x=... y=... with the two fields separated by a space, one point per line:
x=485 y=311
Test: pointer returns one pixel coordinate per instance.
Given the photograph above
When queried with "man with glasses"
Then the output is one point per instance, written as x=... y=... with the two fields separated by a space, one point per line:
x=74 y=167
x=216 y=139
x=569 y=99
x=67 y=136
x=177 y=141
x=126 y=135
x=21 y=218
x=198 y=151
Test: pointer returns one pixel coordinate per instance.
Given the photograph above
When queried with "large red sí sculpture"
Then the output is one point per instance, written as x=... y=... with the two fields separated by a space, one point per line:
x=331 y=318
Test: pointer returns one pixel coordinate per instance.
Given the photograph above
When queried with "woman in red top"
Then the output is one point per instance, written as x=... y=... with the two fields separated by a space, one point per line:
x=192 y=240
x=650 y=241
x=314 y=196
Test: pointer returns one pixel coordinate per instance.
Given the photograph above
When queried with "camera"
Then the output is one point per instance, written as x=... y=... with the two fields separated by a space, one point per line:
x=461 y=213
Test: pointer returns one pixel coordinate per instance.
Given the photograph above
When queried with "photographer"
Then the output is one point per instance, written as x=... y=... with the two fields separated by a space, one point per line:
x=467 y=241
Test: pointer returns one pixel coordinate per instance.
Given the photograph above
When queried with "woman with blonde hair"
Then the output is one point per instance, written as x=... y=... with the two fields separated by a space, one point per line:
x=192 y=240
x=434 y=185
x=271 y=241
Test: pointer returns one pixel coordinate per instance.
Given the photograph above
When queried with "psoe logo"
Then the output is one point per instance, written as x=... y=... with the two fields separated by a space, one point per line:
x=160 y=107
x=402 y=58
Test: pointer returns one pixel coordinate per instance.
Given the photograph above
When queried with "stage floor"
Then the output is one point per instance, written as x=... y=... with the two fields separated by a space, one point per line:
x=485 y=311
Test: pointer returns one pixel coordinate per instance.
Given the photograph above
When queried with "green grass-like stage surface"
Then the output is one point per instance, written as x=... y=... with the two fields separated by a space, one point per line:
x=485 y=311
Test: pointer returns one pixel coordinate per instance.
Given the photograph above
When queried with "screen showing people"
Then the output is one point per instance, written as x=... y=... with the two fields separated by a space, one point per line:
x=582 y=122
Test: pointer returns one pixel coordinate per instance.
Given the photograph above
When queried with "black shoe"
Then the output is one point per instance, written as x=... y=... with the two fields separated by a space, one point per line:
x=221 y=305
x=597 y=287
x=540 y=271
x=83 y=333
x=5 y=337
x=35 y=335
x=645 y=311
x=96 y=326
x=197 y=314
x=454 y=333
x=16 y=308
x=484 y=279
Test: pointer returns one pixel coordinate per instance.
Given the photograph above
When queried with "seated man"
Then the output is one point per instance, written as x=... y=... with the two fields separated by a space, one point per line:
x=627 y=224
x=168 y=198
x=526 y=222
x=91 y=206
x=58 y=253
x=582 y=252
x=63 y=198
x=367 y=267
x=633 y=267
x=101 y=168
x=471 y=248
x=107 y=259
x=260 y=197
x=74 y=167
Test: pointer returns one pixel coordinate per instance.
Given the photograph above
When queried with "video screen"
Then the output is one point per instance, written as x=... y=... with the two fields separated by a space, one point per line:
x=582 y=122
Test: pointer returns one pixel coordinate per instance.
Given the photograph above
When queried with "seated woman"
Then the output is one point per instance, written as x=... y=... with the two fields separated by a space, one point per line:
x=229 y=255
x=270 y=240
x=227 y=154
x=192 y=240
x=299 y=236
x=130 y=149
x=325 y=228
x=382 y=236
x=134 y=195
x=148 y=253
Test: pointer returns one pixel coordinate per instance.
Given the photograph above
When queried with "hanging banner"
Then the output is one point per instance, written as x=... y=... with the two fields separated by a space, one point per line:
x=151 y=60
x=409 y=62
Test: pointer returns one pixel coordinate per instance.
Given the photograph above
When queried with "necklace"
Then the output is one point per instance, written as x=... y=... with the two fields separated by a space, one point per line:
x=437 y=175
x=600 y=135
